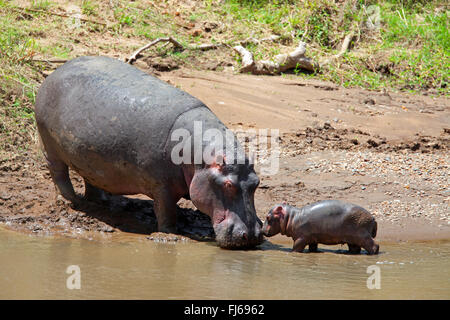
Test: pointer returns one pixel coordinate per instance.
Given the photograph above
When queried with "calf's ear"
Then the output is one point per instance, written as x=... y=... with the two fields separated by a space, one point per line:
x=279 y=212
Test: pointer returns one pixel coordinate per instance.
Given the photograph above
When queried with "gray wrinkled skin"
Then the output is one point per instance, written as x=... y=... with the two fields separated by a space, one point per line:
x=112 y=124
x=327 y=222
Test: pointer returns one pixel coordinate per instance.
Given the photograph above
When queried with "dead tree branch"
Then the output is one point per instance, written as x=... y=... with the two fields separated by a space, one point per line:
x=50 y=61
x=258 y=41
x=344 y=47
x=281 y=63
x=202 y=47
x=133 y=57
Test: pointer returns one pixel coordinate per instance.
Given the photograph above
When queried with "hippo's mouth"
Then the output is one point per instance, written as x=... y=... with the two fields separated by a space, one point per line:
x=226 y=239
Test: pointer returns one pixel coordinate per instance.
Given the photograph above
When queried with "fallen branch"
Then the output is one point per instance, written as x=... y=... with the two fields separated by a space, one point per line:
x=344 y=47
x=202 y=47
x=50 y=61
x=248 y=64
x=206 y=46
x=211 y=46
x=281 y=63
x=258 y=41
x=133 y=57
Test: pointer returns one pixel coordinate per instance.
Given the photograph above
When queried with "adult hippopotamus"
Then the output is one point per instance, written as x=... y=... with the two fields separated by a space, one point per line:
x=114 y=125
x=328 y=222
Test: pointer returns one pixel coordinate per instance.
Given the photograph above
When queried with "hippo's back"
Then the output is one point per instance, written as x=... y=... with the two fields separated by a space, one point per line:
x=116 y=103
x=337 y=219
x=102 y=115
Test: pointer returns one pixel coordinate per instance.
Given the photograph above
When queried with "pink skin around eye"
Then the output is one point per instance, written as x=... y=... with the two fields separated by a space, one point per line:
x=229 y=188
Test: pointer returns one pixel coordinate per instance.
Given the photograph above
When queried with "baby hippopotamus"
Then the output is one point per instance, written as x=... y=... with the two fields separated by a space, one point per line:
x=327 y=222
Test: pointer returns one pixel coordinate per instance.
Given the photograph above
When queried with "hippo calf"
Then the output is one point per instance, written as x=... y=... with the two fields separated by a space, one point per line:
x=327 y=222
x=114 y=125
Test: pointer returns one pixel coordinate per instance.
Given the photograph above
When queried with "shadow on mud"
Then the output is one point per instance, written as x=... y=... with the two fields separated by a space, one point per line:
x=267 y=246
x=137 y=216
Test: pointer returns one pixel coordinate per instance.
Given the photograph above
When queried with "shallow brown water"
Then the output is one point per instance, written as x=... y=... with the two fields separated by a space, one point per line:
x=35 y=268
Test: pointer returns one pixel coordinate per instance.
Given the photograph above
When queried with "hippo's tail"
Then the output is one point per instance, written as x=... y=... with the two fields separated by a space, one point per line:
x=374 y=229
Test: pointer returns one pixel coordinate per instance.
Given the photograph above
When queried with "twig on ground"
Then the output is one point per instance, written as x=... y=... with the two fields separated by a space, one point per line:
x=20 y=9
x=202 y=47
x=282 y=62
x=50 y=61
x=305 y=33
x=206 y=46
x=344 y=47
x=258 y=41
x=345 y=44
x=134 y=56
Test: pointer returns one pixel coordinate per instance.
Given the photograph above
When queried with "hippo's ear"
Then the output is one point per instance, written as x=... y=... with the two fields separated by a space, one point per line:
x=218 y=162
x=279 y=212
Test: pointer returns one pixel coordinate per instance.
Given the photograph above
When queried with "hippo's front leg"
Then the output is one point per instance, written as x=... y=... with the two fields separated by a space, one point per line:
x=166 y=211
x=299 y=245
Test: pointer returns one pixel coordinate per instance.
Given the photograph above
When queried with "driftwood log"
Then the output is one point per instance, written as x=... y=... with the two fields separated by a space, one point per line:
x=281 y=62
x=202 y=47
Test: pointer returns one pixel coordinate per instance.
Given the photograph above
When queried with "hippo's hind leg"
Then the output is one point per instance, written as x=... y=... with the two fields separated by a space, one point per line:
x=60 y=176
x=354 y=248
x=59 y=170
x=312 y=247
x=299 y=245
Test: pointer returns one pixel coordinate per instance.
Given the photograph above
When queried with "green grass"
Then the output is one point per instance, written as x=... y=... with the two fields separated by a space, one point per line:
x=413 y=37
x=416 y=46
x=41 y=4
x=17 y=90
x=89 y=7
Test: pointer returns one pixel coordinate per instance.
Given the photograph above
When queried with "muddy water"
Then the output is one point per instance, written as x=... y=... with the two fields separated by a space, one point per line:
x=35 y=268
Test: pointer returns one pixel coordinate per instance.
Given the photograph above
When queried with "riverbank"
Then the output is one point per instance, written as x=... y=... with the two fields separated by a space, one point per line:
x=385 y=152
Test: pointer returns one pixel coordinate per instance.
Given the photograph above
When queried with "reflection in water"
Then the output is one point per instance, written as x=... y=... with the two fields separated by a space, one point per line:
x=35 y=268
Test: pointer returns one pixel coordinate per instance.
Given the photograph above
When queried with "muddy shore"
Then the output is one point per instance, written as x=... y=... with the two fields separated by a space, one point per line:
x=387 y=152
